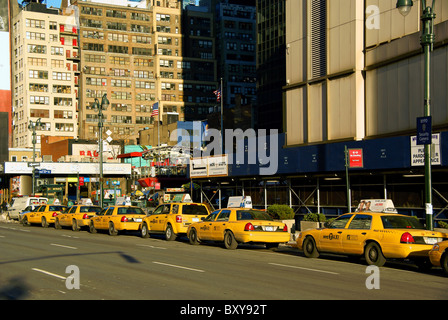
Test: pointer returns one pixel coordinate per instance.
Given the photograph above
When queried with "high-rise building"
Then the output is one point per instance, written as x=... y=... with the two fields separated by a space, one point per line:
x=43 y=75
x=132 y=53
x=271 y=63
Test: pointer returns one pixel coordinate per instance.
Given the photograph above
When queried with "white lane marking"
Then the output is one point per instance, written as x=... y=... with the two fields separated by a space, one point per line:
x=49 y=273
x=15 y=229
x=149 y=246
x=308 y=269
x=62 y=246
x=176 y=266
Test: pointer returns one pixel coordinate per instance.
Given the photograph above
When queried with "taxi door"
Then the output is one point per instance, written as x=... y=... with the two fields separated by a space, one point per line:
x=35 y=217
x=158 y=217
x=331 y=238
x=356 y=234
x=205 y=227
x=219 y=225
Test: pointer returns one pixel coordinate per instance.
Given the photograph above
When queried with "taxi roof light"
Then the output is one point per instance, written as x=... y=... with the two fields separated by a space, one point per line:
x=407 y=238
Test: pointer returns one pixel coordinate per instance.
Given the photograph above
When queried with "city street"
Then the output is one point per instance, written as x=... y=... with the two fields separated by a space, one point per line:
x=34 y=261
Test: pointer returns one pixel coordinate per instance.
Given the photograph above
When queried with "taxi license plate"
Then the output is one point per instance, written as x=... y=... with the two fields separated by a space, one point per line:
x=137 y=220
x=429 y=240
x=195 y=219
x=268 y=228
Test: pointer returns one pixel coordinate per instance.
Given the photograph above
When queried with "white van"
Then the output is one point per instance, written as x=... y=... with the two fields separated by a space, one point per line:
x=20 y=203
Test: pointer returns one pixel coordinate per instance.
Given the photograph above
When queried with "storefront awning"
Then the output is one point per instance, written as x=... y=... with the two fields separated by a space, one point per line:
x=148 y=182
x=129 y=155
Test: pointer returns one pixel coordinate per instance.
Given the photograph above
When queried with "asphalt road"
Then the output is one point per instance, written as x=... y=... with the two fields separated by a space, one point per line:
x=34 y=261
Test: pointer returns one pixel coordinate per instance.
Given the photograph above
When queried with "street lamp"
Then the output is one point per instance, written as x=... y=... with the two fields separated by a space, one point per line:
x=427 y=42
x=33 y=126
x=99 y=108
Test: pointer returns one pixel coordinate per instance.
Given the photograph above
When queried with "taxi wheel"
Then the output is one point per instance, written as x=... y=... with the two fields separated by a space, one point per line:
x=193 y=237
x=144 y=231
x=57 y=225
x=75 y=225
x=112 y=230
x=169 y=233
x=92 y=228
x=309 y=248
x=374 y=255
x=44 y=222
x=25 y=222
x=444 y=262
x=230 y=241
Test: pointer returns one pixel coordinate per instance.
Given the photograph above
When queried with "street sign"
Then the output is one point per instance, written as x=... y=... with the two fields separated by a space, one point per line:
x=424 y=131
x=33 y=164
x=355 y=158
x=44 y=171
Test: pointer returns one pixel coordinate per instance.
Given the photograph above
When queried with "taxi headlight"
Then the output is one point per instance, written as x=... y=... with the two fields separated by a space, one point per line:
x=435 y=247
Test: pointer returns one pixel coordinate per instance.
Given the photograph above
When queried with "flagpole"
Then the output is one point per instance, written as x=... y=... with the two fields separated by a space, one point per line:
x=222 y=119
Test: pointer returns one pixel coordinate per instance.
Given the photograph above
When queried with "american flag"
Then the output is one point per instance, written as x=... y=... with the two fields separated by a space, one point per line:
x=155 y=110
x=217 y=94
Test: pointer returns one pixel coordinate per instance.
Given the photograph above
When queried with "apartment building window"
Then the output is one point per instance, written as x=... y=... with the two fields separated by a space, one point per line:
x=38 y=113
x=63 y=114
x=57 y=51
x=318 y=38
x=53 y=25
x=95 y=58
x=38 y=74
x=34 y=48
x=143 y=62
x=93 y=34
x=119 y=60
x=91 y=23
x=57 y=63
x=142 y=51
x=64 y=127
x=42 y=62
x=116 y=14
x=65 y=102
x=121 y=83
x=38 y=87
x=31 y=23
x=140 y=16
x=62 y=89
x=93 y=46
x=141 y=39
x=121 y=107
x=121 y=119
x=35 y=35
x=96 y=81
x=116 y=26
x=64 y=76
x=92 y=11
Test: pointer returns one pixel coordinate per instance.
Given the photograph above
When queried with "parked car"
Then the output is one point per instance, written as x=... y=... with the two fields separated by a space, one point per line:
x=373 y=235
x=439 y=256
x=173 y=219
x=20 y=203
x=76 y=216
x=44 y=215
x=117 y=218
x=239 y=225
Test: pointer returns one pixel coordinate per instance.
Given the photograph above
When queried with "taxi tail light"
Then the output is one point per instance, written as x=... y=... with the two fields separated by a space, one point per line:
x=285 y=228
x=54 y=214
x=85 y=216
x=124 y=219
x=179 y=219
x=249 y=227
x=407 y=238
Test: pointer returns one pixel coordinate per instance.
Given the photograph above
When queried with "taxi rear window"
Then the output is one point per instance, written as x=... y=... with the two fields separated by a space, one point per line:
x=252 y=215
x=399 y=222
x=130 y=211
x=89 y=209
x=56 y=208
x=194 y=209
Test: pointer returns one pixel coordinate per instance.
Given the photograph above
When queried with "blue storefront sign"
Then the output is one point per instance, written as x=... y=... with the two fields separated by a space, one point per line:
x=424 y=130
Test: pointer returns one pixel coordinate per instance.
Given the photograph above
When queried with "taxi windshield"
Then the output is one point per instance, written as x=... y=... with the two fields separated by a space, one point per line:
x=400 y=222
x=252 y=215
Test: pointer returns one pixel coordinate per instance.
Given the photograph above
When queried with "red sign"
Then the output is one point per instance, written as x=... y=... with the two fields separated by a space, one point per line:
x=355 y=158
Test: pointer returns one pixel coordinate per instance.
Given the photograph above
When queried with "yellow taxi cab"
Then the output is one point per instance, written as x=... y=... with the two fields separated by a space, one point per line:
x=439 y=256
x=117 y=218
x=44 y=215
x=374 y=235
x=76 y=216
x=239 y=225
x=173 y=219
